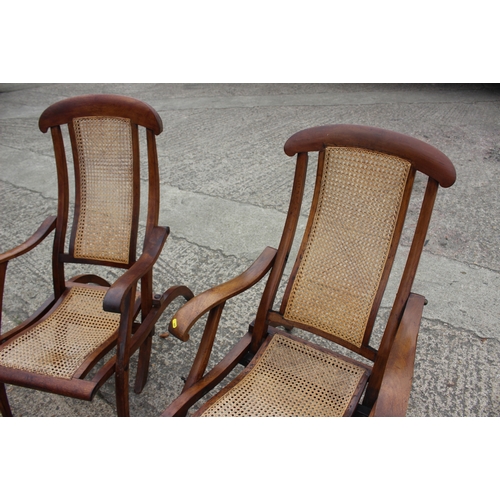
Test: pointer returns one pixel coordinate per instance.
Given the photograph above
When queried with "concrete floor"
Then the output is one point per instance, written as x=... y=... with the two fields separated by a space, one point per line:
x=225 y=188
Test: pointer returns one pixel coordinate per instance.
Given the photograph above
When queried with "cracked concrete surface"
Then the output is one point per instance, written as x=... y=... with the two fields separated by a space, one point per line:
x=225 y=189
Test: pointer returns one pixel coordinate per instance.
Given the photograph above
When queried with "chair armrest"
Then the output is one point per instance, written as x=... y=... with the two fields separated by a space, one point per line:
x=40 y=234
x=190 y=312
x=396 y=384
x=113 y=300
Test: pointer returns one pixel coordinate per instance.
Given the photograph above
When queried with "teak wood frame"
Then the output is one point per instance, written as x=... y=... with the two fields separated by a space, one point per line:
x=389 y=384
x=122 y=296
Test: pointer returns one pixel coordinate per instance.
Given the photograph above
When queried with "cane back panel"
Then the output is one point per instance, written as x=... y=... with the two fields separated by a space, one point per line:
x=106 y=181
x=360 y=194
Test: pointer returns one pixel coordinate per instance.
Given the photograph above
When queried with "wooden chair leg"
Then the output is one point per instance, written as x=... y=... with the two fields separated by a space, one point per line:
x=143 y=364
x=122 y=400
x=4 y=402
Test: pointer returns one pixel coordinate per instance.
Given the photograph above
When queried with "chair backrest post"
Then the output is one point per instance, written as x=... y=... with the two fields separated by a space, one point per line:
x=403 y=292
x=154 y=182
x=136 y=196
x=314 y=204
x=62 y=210
x=283 y=253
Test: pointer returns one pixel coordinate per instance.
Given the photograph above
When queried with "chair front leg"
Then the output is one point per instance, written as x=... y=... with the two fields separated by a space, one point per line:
x=4 y=402
x=123 y=355
x=205 y=348
x=3 y=272
x=155 y=308
x=121 y=388
x=143 y=363
x=145 y=350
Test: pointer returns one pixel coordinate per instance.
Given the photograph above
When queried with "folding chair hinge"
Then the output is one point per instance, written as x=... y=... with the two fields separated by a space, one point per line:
x=362 y=411
x=247 y=358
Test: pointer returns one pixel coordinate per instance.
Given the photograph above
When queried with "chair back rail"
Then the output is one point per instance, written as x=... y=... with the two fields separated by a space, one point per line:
x=424 y=157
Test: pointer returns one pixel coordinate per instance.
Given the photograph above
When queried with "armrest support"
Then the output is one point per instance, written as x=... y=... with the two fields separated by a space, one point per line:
x=40 y=234
x=113 y=300
x=396 y=384
x=190 y=312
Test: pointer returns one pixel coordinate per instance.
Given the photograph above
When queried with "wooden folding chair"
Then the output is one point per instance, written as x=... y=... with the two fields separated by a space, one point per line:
x=86 y=317
x=363 y=185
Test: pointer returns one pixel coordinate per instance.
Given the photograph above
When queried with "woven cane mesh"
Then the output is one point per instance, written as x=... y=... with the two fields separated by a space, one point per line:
x=338 y=278
x=104 y=148
x=291 y=379
x=59 y=345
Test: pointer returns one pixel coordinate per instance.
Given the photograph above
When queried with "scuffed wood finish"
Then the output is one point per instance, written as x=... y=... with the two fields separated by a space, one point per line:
x=388 y=387
x=138 y=312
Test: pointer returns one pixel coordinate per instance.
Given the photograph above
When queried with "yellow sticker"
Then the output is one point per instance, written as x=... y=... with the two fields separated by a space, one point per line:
x=174 y=323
